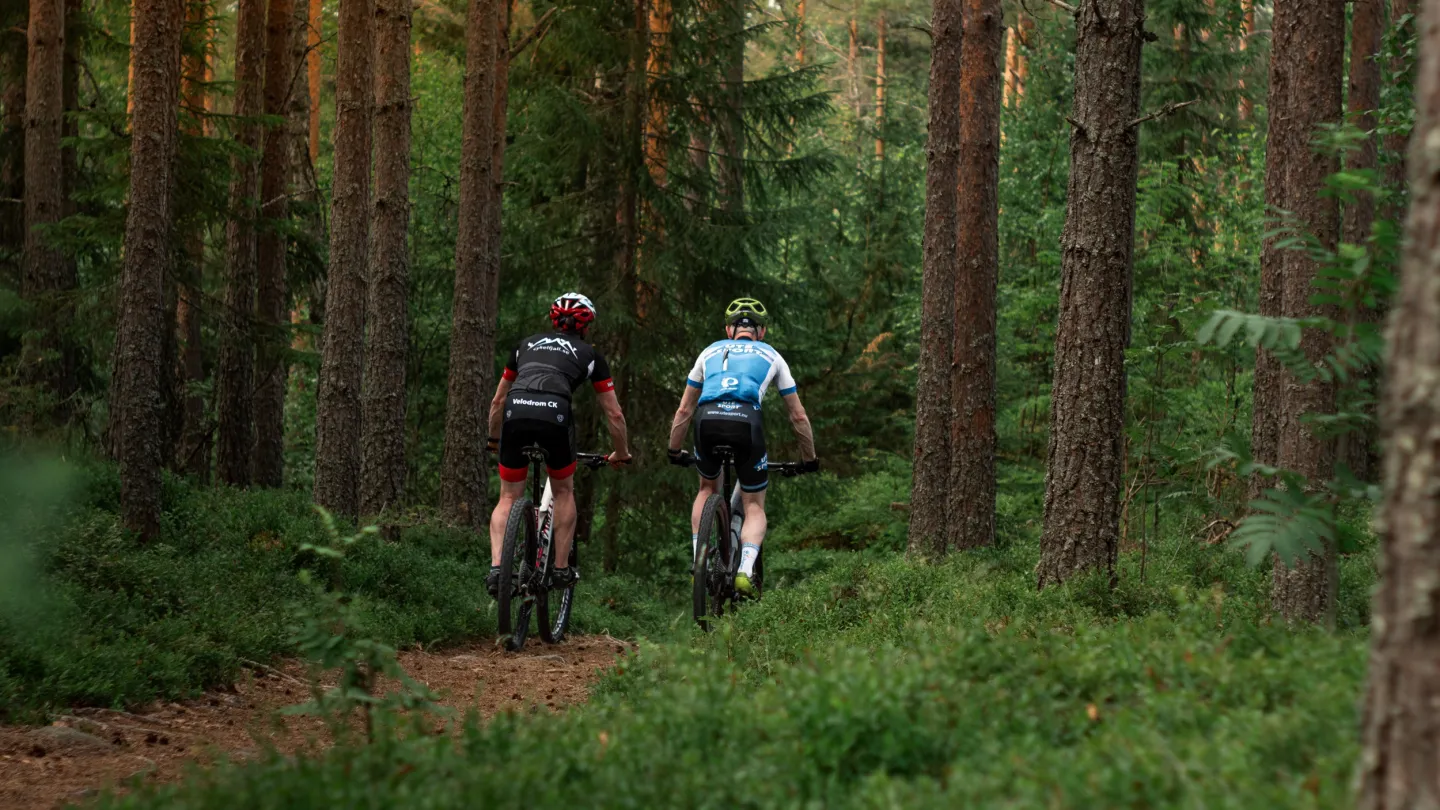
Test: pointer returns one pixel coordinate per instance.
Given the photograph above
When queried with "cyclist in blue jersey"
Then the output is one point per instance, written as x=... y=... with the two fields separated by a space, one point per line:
x=723 y=395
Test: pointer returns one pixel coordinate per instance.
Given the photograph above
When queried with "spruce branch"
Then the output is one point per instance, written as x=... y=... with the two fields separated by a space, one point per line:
x=1163 y=111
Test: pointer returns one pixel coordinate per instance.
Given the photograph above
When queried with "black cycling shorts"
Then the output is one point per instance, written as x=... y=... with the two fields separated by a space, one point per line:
x=531 y=420
x=736 y=425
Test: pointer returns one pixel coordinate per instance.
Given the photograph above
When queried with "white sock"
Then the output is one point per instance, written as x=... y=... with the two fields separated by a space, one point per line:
x=748 y=553
x=694 y=544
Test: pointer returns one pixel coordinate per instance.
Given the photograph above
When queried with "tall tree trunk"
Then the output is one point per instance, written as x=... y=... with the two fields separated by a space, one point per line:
x=657 y=67
x=464 y=498
x=1401 y=737
x=277 y=171
x=193 y=451
x=383 y=474
x=1282 y=138
x=1087 y=416
x=731 y=125
x=312 y=70
x=1316 y=59
x=140 y=337
x=972 y=366
x=48 y=273
x=800 y=35
x=1247 y=107
x=13 y=51
x=1367 y=30
x=880 y=87
x=929 y=493
x=234 y=382
x=852 y=65
x=1012 y=64
x=1027 y=41
x=337 y=416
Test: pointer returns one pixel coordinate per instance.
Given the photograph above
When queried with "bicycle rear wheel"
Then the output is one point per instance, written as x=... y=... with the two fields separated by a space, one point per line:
x=517 y=563
x=711 y=574
x=558 y=602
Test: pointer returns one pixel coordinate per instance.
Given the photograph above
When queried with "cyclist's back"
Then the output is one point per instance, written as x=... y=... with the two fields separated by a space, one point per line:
x=740 y=371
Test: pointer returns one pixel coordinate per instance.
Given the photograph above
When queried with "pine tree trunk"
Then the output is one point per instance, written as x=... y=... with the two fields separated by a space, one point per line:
x=1282 y=138
x=880 y=87
x=1367 y=29
x=1087 y=415
x=464 y=498
x=277 y=170
x=1246 y=107
x=140 y=337
x=929 y=493
x=1316 y=60
x=852 y=67
x=13 y=51
x=657 y=68
x=800 y=34
x=338 y=411
x=312 y=71
x=972 y=370
x=235 y=378
x=48 y=272
x=192 y=455
x=1401 y=729
x=1012 y=64
x=383 y=473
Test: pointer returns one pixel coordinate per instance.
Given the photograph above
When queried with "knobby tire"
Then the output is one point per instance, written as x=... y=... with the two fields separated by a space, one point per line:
x=517 y=556
x=711 y=565
x=553 y=632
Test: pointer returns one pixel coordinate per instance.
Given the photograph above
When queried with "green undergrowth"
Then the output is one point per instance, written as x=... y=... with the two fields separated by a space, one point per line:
x=876 y=682
x=90 y=615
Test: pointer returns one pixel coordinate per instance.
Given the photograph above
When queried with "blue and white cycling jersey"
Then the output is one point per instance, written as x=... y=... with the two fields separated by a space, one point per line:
x=740 y=370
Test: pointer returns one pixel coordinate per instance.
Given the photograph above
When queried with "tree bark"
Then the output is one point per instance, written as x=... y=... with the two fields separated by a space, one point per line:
x=1367 y=28
x=464 y=498
x=13 y=53
x=48 y=273
x=929 y=493
x=1282 y=139
x=880 y=87
x=338 y=410
x=235 y=379
x=1401 y=729
x=972 y=369
x=852 y=66
x=1316 y=58
x=1087 y=416
x=1012 y=64
x=192 y=455
x=312 y=70
x=277 y=171
x=383 y=472
x=657 y=66
x=140 y=337
x=800 y=34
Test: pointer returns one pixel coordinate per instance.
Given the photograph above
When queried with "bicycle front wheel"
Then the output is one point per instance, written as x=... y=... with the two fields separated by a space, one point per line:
x=558 y=602
x=517 y=563
x=711 y=583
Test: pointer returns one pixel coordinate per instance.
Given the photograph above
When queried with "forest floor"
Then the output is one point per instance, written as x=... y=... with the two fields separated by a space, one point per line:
x=93 y=749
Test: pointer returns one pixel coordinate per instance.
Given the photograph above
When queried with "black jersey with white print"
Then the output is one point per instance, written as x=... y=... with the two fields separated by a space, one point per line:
x=556 y=364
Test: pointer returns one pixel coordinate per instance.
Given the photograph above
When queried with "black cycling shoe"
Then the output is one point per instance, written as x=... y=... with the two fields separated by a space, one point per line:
x=562 y=578
x=492 y=582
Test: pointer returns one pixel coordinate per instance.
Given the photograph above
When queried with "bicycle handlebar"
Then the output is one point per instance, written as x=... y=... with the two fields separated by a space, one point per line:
x=596 y=460
x=788 y=469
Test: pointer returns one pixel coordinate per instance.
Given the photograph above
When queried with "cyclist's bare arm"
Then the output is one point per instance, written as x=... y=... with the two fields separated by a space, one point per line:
x=683 y=415
x=800 y=423
x=497 y=406
x=615 y=418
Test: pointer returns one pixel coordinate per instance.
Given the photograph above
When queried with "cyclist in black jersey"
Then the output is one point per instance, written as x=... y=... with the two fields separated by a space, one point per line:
x=532 y=407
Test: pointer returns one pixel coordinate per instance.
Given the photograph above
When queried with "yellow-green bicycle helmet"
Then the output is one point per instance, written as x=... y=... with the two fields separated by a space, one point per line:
x=745 y=309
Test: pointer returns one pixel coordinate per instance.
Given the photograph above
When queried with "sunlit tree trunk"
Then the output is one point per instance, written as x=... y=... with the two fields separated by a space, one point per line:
x=48 y=272
x=235 y=378
x=1315 y=58
x=277 y=172
x=1012 y=64
x=931 y=480
x=383 y=474
x=800 y=34
x=972 y=367
x=463 y=495
x=1087 y=417
x=342 y=359
x=1247 y=107
x=312 y=70
x=852 y=66
x=140 y=336
x=1401 y=727
x=880 y=87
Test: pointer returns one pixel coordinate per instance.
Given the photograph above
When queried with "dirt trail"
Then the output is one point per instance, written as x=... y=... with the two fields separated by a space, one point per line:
x=78 y=755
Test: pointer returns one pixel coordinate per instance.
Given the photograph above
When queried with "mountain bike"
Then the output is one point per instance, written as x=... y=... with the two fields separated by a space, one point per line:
x=717 y=554
x=527 y=554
